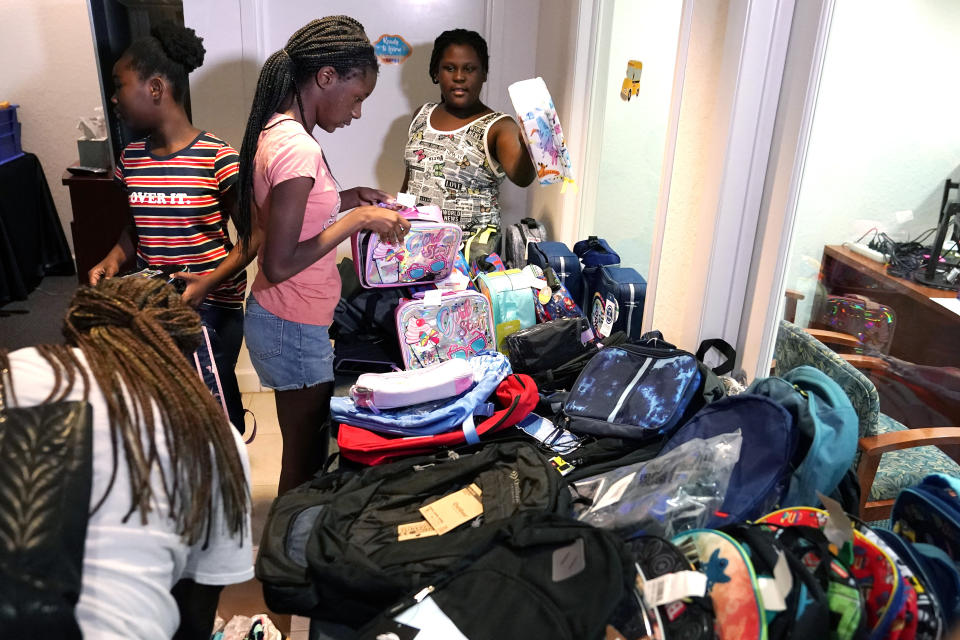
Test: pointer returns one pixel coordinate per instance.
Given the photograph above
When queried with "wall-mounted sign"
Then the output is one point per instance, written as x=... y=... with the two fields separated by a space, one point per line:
x=631 y=84
x=392 y=49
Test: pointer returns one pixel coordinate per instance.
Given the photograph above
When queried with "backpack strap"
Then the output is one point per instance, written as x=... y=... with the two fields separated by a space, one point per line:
x=727 y=351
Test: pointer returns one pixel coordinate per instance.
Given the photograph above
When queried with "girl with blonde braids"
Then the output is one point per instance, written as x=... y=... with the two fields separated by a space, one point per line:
x=320 y=78
x=169 y=523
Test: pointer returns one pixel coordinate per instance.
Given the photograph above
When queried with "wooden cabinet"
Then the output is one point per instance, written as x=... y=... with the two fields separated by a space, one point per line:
x=100 y=212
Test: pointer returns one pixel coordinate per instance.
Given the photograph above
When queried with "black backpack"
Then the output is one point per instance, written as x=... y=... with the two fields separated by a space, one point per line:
x=564 y=375
x=691 y=618
x=558 y=578
x=516 y=239
x=331 y=548
x=364 y=328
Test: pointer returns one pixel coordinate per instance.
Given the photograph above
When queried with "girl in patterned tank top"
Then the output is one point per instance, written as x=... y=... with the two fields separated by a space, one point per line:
x=459 y=150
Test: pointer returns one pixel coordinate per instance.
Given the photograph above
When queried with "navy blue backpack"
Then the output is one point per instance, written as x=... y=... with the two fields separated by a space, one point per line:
x=614 y=299
x=928 y=515
x=565 y=264
x=634 y=391
x=595 y=251
x=761 y=477
x=827 y=430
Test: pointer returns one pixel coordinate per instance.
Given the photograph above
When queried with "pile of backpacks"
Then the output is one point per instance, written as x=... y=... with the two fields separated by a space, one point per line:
x=564 y=482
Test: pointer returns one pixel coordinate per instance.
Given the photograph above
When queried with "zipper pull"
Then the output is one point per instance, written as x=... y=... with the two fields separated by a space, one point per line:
x=423 y=593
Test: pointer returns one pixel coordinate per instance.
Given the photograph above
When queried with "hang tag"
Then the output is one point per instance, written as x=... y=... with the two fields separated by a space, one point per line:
x=568 y=561
x=533 y=280
x=430 y=621
x=504 y=329
x=453 y=510
x=614 y=493
x=544 y=295
x=839 y=529
x=413 y=530
x=674 y=586
x=775 y=589
x=772 y=600
x=432 y=298
x=407 y=199
x=561 y=465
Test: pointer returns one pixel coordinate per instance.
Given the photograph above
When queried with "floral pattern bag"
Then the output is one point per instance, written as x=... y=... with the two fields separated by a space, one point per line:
x=428 y=253
x=442 y=326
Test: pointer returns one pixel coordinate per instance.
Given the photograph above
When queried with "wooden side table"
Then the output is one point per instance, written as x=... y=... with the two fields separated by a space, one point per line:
x=100 y=212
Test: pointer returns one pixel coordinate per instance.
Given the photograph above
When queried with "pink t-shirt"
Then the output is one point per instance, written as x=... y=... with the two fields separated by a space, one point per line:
x=285 y=151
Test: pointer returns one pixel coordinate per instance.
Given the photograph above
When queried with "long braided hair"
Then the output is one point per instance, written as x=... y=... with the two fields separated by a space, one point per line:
x=335 y=41
x=134 y=334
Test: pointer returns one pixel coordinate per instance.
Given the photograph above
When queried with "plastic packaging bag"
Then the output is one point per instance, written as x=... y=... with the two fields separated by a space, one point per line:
x=664 y=496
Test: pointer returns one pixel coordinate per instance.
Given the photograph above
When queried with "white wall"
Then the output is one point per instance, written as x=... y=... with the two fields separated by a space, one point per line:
x=689 y=224
x=555 y=58
x=634 y=132
x=49 y=69
x=885 y=134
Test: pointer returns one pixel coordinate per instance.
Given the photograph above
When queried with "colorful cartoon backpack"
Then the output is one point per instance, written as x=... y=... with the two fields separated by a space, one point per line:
x=554 y=301
x=511 y=295
x=541 y=130
x=795 y=603
x=428 y=253
x=439 y=326
x=808 y=544
x=885 y=595
x=731 y=583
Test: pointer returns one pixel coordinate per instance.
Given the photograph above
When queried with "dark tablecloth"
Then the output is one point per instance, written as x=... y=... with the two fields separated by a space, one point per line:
x=32 y=243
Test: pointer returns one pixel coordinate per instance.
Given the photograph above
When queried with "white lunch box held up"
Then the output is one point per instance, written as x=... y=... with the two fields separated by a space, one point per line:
x=541 y=130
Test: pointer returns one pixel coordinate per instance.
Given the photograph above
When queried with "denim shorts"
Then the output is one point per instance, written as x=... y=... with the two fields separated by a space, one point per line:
x=286 y=354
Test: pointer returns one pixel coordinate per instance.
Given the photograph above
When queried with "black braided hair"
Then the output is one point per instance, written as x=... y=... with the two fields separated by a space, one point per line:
x=335 y=41
x=170 y=50
x=462 y=37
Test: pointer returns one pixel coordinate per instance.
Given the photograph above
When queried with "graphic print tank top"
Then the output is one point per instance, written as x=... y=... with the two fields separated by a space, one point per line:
x=454 y=169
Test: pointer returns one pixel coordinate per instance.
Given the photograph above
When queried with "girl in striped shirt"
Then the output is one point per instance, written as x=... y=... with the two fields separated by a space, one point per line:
x=180 y=184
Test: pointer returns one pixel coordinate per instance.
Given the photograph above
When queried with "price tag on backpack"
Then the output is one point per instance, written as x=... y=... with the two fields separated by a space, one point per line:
x=407 y=199
x=604 y=313
x=674 y=586
x=838 y=529
x=453 y=510
x=414 y=530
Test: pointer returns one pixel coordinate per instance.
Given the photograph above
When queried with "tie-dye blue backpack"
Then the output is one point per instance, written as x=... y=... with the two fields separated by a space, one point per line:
x=636 y=391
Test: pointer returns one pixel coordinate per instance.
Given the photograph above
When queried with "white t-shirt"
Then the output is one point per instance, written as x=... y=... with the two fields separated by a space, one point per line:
x=129 y=568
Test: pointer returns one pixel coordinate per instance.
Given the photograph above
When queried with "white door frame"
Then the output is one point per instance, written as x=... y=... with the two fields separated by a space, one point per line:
x=596 y=26
x=754 y=59
x=798 y=97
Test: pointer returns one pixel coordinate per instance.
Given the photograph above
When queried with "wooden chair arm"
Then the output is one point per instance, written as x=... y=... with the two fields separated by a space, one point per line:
x=897 y=440
x=835 y=337
x=868 y=363
x=794 y=294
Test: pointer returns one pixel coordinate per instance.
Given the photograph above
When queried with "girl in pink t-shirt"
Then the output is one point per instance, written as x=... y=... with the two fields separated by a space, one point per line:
x=320 y=78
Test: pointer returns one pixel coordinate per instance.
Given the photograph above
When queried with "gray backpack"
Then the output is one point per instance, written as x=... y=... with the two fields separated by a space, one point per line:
x=516 y=238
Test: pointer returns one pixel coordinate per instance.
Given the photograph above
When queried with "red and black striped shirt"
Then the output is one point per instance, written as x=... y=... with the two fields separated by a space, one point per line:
x=175 y=202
